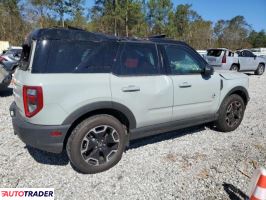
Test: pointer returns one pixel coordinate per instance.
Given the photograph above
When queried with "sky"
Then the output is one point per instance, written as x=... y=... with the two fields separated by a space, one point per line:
x=254 y=11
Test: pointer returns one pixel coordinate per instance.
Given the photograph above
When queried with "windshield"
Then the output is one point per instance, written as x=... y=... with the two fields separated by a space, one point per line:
x=13 y=51
x=214 y=52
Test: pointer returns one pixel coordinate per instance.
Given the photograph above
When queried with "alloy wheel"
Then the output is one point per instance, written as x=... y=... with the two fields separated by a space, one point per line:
x=234 y=113
x=99 y=145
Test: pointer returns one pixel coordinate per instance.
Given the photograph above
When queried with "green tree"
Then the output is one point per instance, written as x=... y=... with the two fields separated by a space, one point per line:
x=158 y=15
x=122 y=17
x=257 y=39
x=232 y=33
x=11 y=21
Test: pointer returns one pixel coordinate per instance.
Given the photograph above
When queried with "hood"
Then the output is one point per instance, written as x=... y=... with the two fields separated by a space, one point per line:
x=229 y=75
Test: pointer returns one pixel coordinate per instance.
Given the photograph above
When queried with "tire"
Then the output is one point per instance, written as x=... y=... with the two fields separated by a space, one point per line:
x=231 y=113
x=96 y=144
x=234 y=67
x=260 y=70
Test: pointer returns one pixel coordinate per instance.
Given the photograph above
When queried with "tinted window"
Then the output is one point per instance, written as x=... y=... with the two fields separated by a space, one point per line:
x=248 y=54
x=181 y=61
x=138 y=59
x=58 y=56
x=230 y=54
x=214 y=52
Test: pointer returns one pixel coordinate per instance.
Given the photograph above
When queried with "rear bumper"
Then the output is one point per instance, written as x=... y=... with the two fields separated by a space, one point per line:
x=38 y=136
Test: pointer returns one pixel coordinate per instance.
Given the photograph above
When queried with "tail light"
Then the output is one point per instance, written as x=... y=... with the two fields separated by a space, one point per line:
x=32 y=99
x=2 y=59
x=224 y=58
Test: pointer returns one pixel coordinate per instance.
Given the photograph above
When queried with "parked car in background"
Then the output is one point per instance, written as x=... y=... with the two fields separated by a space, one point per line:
x=222 y=58
x=5 y=78
x=203 y=53
x=241 y=60
x=92 y=93
x=10 y=58
x=248 y=61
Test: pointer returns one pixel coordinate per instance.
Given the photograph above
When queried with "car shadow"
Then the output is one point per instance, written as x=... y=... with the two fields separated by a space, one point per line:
x=250 y=74
x=234 y=193
x=166 y=136
x=47 y=158
x=6 y=92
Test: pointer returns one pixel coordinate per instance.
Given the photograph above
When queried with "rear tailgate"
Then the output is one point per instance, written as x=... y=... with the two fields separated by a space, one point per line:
x=214 y=57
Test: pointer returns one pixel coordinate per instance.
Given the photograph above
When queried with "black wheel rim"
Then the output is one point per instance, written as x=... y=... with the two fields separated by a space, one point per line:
x=234 y=113
x=99 y=145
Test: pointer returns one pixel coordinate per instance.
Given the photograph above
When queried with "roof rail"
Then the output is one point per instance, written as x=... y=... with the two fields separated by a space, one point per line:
x=158 y=36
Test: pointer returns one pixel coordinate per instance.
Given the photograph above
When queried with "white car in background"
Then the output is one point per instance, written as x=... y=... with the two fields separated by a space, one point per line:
x=241 y=60
x=222 y=58
x=248 y=61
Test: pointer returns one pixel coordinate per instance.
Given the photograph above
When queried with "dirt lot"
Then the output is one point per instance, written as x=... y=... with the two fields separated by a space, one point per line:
x=193 y=163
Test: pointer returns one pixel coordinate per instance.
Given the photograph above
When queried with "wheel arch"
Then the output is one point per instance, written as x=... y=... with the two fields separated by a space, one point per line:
x=117 y=110
x=241 y=91
x=237 y=64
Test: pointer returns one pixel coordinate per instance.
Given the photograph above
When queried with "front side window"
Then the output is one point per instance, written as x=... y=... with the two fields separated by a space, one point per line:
x=181 y=61
x=139 y=59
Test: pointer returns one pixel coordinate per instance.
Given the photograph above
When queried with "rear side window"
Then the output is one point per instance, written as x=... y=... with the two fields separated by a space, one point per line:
x=214 y=52
x=138 y=59
x=58 y=56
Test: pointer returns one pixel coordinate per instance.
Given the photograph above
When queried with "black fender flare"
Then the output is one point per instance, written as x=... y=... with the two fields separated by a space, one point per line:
x=237 y=89
x=242 y=89
x=71 y=118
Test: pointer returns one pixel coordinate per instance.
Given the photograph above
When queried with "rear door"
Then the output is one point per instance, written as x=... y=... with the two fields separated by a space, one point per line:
x=253 y=62
x=194 y=94
x=139 y=83
x=246 y=60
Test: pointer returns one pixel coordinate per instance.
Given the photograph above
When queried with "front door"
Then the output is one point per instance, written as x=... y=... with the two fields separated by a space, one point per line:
x=194 y=94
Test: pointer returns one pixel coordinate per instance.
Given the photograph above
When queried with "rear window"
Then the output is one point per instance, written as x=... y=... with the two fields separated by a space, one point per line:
x=58 y=56
x=214 y=52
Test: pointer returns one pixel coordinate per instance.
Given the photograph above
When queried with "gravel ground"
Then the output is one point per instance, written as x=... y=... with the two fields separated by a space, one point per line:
x=193 y=163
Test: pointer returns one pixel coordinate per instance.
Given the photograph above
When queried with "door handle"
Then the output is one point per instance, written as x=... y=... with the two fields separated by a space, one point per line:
x=184 y=85
x=131 y=88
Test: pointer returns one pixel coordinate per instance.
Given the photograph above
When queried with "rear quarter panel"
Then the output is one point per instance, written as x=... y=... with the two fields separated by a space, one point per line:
x=62 y=93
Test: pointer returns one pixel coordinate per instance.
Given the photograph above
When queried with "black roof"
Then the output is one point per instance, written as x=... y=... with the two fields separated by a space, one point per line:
x=82 y=35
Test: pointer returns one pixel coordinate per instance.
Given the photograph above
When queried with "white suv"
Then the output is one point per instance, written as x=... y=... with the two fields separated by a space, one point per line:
x=242 y=60
x=92 y=93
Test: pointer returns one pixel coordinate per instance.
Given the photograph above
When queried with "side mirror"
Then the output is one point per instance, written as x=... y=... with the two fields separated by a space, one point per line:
x=208 y=70
x=255 y=57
